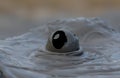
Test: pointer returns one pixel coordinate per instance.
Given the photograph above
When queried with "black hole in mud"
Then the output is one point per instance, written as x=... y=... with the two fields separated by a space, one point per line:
x=59 y=39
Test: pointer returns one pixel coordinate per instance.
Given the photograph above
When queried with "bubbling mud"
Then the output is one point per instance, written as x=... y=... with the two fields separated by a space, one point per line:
x=62 y=41
x=26 y=56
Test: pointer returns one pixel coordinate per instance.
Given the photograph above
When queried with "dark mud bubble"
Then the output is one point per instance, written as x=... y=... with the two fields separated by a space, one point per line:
x=63 y=41
x=59 y=39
